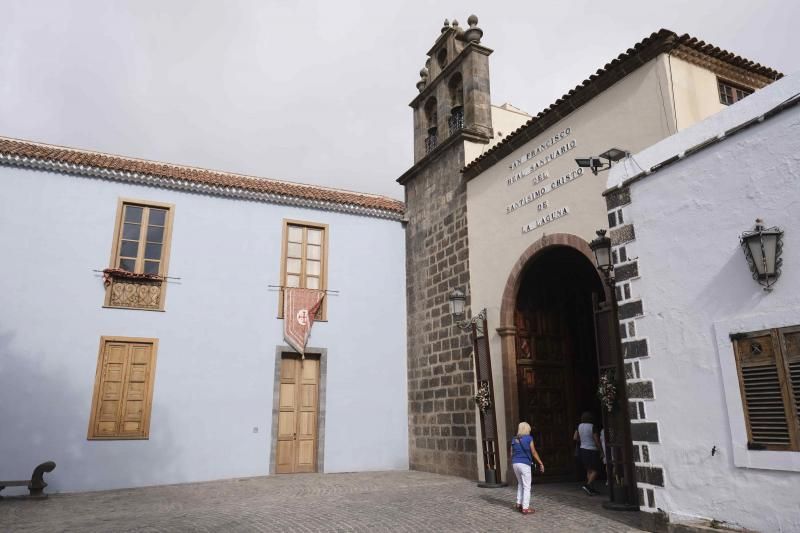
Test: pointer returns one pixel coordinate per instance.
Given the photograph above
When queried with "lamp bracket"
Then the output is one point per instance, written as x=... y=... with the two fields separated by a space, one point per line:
x=466 y=324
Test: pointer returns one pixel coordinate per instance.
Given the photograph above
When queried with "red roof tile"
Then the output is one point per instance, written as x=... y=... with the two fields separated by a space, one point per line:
x=227 y=180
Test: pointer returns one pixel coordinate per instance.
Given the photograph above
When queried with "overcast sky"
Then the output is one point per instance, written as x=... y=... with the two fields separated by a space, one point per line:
x=315 y=92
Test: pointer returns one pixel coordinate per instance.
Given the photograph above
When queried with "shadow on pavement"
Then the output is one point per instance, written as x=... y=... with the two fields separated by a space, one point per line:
x=571 y=495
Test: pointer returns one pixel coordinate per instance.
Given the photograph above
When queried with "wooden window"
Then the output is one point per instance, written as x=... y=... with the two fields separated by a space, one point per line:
x=123 y=388
x=768 y=363
x=142 y=238
x=729 y=93
x=304 y=260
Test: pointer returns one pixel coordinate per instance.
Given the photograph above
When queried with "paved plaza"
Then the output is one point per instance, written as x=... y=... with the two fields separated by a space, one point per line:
x=373 y=502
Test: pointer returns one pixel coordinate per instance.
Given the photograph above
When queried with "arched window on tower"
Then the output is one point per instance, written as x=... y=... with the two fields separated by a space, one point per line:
x=455 y=87
x=441 y=58
x=431 y=120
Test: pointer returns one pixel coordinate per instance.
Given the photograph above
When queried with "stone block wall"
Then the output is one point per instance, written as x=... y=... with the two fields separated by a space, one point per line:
x=440 y=367
x=635 y=348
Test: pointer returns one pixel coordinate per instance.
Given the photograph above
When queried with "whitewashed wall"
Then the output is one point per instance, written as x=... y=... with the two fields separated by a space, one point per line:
x=217 y=338
x=696 y=289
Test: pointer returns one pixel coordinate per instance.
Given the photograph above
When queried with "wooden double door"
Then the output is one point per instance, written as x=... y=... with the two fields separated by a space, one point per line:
x=557 y=376
x=297 y=415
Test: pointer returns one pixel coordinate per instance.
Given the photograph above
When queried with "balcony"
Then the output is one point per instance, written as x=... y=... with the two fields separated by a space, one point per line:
x=431 y=140
x=455 y=121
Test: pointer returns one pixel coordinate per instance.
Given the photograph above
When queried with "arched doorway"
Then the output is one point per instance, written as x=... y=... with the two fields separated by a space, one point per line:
x=550 y=369
x=556 y=358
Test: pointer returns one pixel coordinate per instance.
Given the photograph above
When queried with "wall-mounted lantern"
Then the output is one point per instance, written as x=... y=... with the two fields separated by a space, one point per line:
x=458 y=302
x=484 y=397
x=762 y=248
x=601 y=246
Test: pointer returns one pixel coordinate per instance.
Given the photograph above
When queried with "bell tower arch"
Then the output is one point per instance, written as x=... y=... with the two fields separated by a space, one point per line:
x=456 y=78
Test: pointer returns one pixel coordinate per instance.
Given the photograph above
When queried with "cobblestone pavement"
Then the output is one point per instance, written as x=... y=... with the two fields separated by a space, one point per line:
x=373 y=502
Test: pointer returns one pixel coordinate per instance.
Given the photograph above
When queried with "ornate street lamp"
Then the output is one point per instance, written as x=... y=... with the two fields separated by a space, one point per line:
x=484 y=399
x=458 y=301
x=762 y=248
x=601 y=246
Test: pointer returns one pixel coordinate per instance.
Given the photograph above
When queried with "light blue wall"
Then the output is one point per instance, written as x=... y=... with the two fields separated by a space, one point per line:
x=217 y=338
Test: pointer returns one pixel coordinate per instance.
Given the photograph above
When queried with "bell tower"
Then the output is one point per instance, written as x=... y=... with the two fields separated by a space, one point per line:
x=452 y=118
x=453 y=98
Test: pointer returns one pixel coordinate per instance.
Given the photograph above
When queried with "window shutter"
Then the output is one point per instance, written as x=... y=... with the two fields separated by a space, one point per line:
x=791 y=354
x=766 y=407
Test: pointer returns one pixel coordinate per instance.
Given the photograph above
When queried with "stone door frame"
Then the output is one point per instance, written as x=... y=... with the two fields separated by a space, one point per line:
x=507 y=330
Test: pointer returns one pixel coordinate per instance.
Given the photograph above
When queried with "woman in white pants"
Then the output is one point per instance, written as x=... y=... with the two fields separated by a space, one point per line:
x=523 y=453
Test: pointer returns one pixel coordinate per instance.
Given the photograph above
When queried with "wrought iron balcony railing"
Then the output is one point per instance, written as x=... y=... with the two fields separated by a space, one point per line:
x=455 y=121
x=430 y=142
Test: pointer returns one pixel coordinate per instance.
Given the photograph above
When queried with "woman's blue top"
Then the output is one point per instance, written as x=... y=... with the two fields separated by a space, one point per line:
x=521 y=450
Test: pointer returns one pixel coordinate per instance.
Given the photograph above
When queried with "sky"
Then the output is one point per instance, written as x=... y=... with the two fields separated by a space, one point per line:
x=314 y=91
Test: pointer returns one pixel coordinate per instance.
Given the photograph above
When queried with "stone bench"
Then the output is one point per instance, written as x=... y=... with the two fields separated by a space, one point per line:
x=36 y=483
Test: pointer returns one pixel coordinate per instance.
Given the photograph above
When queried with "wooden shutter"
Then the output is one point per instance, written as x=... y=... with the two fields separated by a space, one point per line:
x=123 y=389
x=790 y=344
x=109 y=400
x=764 y=393
x=307 y=416
x=287 y=416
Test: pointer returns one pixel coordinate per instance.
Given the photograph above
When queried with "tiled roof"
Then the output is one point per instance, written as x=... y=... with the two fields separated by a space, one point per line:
x=74 y=161
x=657 y=43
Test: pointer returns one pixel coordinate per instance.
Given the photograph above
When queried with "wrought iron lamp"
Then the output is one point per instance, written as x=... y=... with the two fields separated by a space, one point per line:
x=484 y=398
x=596 y=164
x=762 y=248
x=458 y=301
x=601 y=246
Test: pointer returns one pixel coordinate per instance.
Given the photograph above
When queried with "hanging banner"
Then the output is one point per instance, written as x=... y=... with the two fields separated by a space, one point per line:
x=299 y=308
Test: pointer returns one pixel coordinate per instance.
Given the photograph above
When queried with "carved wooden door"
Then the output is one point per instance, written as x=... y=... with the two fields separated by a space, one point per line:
x=544 y=371
x=297 y=416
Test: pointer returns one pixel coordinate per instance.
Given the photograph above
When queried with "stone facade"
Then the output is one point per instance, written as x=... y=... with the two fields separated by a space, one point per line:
x=442 y=415
x=440 y=368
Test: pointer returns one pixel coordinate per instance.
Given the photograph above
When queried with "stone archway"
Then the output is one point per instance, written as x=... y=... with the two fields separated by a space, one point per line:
x=507 y=328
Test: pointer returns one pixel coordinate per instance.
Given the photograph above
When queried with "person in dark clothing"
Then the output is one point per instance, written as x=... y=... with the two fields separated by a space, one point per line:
x=587 y=437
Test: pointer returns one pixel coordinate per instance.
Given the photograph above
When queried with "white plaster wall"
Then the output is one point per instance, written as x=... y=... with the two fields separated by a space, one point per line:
x=696 y=289
x=695 y=92
x=217 y=338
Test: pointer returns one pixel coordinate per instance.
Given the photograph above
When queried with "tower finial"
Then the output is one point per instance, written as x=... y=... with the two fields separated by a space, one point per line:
x=446 y=25
x=423 y=78
x=474 y=33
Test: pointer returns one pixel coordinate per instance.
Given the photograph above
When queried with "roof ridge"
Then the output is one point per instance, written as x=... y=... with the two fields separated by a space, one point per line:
x=187 y=167
x=663 y=40
x=216 y=178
